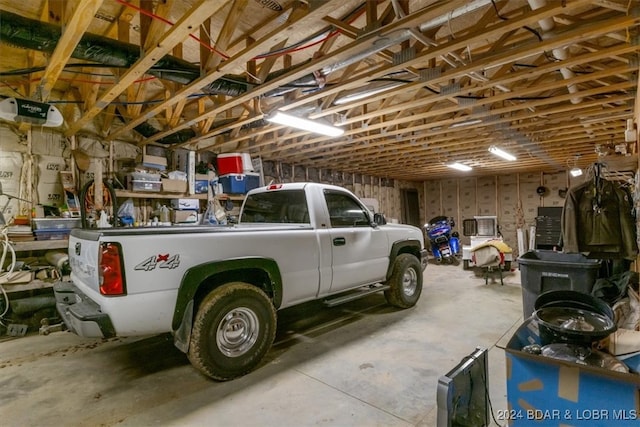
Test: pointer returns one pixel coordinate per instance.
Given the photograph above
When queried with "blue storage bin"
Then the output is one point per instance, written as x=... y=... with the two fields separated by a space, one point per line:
x=252 y=181
x=542 y=391
x=201 y=186
x=233 y=183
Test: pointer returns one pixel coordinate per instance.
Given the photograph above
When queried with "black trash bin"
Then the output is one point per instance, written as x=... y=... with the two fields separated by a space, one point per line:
x=542 y=271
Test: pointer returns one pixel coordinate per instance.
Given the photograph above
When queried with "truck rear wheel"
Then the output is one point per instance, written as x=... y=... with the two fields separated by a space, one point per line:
x=405 y=282
x=232 y=331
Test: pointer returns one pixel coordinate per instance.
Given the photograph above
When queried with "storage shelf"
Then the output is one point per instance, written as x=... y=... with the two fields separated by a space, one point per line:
x=40 y=245
x=164 y=195
x=28 y=286
x=158 y=195
x=230 y=197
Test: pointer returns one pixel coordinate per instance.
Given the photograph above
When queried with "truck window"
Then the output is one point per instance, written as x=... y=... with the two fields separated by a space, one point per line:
x=276 y=207
x=344 y=211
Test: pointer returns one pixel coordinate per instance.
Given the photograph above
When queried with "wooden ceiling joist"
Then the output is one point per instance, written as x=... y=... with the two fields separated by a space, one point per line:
x=468 y=74
x=196 y=15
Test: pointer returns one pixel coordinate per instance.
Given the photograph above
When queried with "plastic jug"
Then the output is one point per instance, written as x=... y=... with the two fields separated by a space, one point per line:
x=164 y=215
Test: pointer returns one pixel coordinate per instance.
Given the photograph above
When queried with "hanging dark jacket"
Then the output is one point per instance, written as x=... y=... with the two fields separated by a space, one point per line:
x=599 y=221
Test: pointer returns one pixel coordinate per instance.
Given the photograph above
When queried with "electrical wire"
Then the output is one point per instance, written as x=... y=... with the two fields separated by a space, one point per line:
x=486 y=389
x=301 y=46
x=22 y=71
x=149 y=102
x=6 y=248
x=68 y=80
x=166 y=21
x=12 y=88
x=279 y=52
x=296 y=49
x=549 y=56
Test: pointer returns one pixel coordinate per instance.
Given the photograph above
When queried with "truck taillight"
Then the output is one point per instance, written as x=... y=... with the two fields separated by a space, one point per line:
x=111 y=273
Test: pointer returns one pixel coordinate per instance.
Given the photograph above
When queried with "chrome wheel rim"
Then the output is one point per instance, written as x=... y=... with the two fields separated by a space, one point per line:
x=237 y=332
x=409 y=282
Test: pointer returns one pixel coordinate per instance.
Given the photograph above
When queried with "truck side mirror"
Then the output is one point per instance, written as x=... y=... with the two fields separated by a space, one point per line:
x=379 y=219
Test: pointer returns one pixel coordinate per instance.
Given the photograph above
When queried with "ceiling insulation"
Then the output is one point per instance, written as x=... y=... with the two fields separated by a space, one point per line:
x=414 y=84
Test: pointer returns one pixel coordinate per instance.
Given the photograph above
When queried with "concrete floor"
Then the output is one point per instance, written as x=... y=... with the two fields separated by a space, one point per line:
x=359 y=364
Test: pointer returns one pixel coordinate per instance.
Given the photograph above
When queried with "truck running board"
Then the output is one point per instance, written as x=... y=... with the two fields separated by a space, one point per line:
x=364 y=291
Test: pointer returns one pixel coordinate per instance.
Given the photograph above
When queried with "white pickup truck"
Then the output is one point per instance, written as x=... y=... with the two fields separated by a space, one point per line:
x=217 y=289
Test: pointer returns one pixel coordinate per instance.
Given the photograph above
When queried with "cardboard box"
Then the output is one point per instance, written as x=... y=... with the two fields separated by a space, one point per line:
x=154 y=160
x=185 y=204
x=625 y=345
x=174 y=186
x=550 y=392
x=184 y=217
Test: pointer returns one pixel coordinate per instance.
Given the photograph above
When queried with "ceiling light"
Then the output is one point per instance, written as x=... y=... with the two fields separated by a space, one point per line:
x=368 y=91
x=467 y=123
x=304 y=124
x=459 y=166
x=501 y=153
x=575 y=172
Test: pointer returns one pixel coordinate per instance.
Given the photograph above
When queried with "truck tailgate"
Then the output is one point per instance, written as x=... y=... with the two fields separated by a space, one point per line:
x=83 y=259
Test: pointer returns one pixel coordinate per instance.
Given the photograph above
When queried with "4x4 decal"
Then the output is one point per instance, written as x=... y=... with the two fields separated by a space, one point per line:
x=160 y=261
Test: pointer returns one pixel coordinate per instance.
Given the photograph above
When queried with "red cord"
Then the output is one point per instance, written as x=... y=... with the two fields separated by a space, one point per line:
x=166 y=21
x=262 y=56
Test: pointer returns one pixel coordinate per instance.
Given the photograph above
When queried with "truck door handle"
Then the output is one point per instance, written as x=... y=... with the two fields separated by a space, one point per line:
x=339 y=241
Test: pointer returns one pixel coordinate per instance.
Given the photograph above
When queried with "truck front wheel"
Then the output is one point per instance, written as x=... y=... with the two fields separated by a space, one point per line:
x=405 y=282
x=232 y=331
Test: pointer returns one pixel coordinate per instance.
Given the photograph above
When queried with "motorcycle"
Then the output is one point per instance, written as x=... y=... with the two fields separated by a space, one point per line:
x=445 y=244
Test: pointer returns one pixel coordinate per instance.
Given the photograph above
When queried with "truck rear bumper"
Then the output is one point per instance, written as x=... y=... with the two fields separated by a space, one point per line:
x=81 y=315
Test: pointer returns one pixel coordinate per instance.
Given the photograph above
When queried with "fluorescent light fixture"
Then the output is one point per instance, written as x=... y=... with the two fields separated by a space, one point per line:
x=467 y=123
x=459 y=166
x=304 y=124
x=575 y=172
x=358 y=94
x=501 y=153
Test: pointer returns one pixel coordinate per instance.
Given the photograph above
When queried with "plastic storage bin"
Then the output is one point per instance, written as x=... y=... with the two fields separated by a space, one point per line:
x=201 y=186
x=252 y=181
x=233 y=183
x=55 y=223
x=229 y=163
x=144 y=176
x=542 y=271
x=58 y=234
x=145 y=185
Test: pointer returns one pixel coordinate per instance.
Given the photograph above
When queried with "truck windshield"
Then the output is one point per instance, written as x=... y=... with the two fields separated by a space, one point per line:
x=286 y=206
